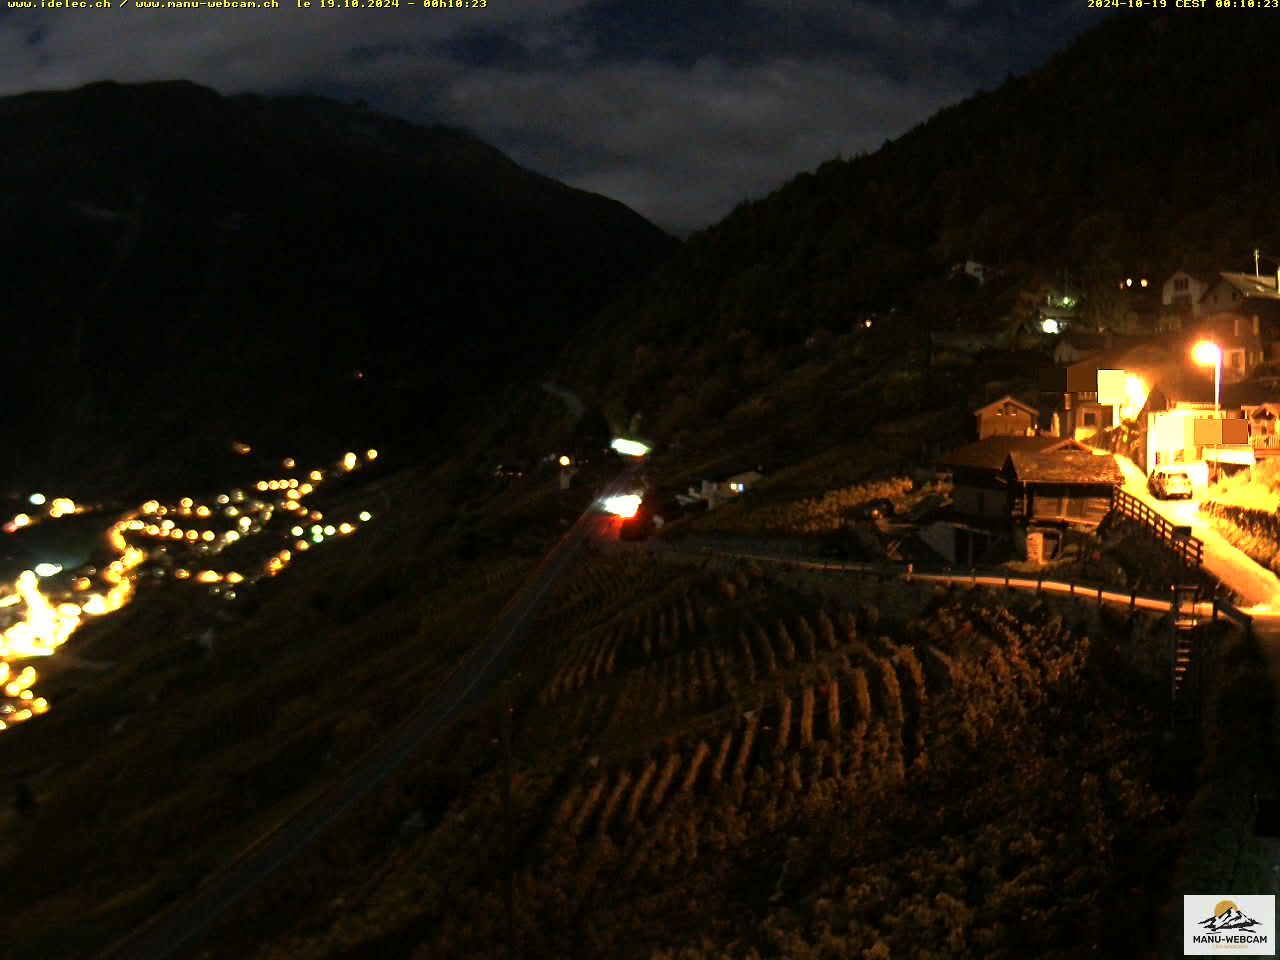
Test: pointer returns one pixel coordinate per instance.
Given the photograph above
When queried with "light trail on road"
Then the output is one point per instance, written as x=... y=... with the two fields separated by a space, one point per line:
x=179 y=926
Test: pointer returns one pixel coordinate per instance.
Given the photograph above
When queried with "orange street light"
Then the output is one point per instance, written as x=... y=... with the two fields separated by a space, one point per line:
x=1207 y=353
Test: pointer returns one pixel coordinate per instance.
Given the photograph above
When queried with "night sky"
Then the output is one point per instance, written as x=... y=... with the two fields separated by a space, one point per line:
x=680 y=110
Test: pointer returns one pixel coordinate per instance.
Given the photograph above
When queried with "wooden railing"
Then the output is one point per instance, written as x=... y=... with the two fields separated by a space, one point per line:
x=994 y=578
x=1237 y=616
x=1190 y=549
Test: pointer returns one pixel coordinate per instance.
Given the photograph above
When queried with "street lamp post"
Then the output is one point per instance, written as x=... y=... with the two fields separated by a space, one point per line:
x=1205 y=353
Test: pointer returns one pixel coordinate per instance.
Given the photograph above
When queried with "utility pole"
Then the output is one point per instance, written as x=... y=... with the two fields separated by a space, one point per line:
x=507 y=712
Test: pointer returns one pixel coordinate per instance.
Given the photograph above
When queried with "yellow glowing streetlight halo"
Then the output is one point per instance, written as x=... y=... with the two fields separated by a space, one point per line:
x=1209 y=354
x=1206 y=353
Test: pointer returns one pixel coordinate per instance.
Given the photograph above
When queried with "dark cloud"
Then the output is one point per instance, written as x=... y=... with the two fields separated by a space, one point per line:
x=680 y=111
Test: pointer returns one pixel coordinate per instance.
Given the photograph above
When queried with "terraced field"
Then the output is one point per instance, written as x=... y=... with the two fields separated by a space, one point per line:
x=706 y=765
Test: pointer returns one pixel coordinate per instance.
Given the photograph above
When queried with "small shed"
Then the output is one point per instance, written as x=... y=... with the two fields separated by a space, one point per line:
x=1066 y=483
x=1006 y=417
x=978 y=488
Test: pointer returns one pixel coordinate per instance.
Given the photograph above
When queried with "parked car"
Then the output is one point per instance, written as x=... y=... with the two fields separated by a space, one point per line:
x=1168 y=483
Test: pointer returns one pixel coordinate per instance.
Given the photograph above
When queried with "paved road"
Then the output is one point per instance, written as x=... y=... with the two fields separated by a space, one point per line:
x=1257 y=585
x=182 y=924
x=571 y=400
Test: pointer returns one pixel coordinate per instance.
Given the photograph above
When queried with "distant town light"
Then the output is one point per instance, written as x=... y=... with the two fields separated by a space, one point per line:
x=1129 y=282
x=36 y=499
x=61 y=507
x=629 y=448
x=47 y=569
x=1049 y=325
x=565 y=460
x=365 y=516
x=866 y=323
x=1143 y=281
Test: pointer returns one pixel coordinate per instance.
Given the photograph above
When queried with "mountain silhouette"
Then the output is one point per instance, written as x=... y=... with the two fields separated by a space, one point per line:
x=1230 y=919
x=179 y=264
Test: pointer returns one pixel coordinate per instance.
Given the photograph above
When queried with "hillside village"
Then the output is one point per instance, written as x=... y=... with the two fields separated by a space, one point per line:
x=1039 y=467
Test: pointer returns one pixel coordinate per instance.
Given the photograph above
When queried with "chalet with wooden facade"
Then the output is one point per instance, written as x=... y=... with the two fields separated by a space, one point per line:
x=979 y=489
x=1030 y=479
x=1241 y=293
x=1063 y=484
x=1182 y=293
x=1072 y=393
x=1006 y=417
x=1033 y=488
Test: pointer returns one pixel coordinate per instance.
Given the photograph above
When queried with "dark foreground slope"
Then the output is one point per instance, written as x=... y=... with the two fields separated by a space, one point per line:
x=718 y=763
x=176 y=262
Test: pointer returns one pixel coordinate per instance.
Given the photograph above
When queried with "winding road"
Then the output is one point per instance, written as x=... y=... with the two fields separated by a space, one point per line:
x=1228 y=563
x=181 y=924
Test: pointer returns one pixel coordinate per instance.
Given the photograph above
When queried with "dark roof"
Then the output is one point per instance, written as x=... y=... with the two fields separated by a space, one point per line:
x=1194 y=385
x=1085 y=341
x=1250 y=392
x=1067 y=465
x=1251 y=287
x=991 y=453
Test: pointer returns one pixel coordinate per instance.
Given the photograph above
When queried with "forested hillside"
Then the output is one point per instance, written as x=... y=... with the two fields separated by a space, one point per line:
x=1145 y=146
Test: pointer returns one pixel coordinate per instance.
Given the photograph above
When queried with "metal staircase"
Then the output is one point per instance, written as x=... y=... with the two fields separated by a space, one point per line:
x=1185 y=674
